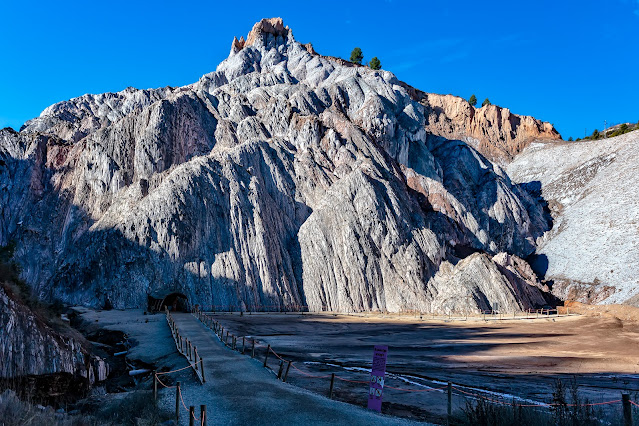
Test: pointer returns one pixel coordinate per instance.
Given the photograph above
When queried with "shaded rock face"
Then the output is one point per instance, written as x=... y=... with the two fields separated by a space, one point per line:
x=495 y=132
x=283 y=178
x=29 y=347
x=590 y=254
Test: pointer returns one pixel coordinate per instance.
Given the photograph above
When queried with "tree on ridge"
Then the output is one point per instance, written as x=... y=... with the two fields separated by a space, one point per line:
x=357 y=56
x=375 y=64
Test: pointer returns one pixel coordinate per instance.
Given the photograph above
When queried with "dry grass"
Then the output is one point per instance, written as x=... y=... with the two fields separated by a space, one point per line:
x=15 y=412
x=137 y=408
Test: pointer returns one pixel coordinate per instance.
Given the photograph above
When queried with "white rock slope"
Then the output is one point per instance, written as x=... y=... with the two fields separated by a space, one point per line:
x=591 y=189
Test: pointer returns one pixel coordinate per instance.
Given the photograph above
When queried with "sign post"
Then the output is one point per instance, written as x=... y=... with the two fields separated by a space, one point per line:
x=378 y=372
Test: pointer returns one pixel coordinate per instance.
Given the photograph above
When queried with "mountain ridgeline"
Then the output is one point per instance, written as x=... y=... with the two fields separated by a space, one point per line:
x=282 y=179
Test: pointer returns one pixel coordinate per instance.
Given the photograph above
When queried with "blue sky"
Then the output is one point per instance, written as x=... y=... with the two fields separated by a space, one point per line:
x=574 y=64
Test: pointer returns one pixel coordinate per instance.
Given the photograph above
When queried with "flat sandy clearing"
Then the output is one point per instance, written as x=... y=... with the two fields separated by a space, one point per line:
x=500 y=359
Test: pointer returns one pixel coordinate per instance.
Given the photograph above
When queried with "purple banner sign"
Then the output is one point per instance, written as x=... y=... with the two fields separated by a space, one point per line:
x=378 y=372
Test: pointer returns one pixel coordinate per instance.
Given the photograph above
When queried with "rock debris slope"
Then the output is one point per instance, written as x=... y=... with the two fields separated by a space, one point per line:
x=283 y=178
x=591 y=188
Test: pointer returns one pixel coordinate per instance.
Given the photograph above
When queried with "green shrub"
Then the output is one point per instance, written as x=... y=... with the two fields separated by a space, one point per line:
x=357 y=56
x=486 y=102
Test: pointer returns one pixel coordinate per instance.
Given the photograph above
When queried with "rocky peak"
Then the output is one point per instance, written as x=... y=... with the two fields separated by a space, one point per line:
x=237 y=45
x=274 y=26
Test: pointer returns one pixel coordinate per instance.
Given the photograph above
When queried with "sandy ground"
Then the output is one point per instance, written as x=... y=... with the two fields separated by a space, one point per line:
x=511 y=358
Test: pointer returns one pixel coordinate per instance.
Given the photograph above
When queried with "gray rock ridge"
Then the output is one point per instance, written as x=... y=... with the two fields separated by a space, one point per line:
x=281 y=179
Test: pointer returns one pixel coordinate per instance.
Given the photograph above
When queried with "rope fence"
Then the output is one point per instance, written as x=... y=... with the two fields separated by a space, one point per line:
x=189 y=351
x=285 y=365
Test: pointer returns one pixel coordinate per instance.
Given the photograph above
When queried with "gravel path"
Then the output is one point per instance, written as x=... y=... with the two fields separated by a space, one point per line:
x=238 y=390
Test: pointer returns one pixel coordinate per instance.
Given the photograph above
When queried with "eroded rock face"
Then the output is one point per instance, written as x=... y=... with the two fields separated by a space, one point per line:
x=283 y=178
x=29 y=347
x=495 y=132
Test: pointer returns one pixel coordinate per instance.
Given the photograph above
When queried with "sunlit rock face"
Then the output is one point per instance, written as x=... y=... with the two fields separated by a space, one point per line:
x=282 y=179
x=495 y=132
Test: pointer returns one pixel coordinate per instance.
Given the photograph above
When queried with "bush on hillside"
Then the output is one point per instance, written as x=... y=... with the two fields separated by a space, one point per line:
x=357 y=56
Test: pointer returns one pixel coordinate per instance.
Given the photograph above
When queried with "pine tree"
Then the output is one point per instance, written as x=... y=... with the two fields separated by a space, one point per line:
x=473 y=100
x=375 y=64
x=357 y=56
x=486 y=102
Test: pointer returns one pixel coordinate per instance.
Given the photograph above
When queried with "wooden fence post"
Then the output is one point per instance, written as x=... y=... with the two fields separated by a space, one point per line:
x=287 y=368
x=279 y=372
x=450 y=402
x=177 y=403
x=155 y=386
x=253 y=348
x=266 y=357
x=627 y=409
x=191 y=416
x=202 y=415
x=330 y=391
x=202 y=369
x=243 y=344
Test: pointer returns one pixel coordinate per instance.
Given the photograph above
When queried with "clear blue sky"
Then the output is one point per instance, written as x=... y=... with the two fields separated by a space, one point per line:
x=571 y=63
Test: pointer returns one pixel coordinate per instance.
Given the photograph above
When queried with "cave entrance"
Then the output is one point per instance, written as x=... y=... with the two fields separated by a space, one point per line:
x=174 y=300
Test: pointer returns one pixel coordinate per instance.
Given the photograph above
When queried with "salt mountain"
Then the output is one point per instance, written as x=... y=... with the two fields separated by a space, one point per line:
x=284 y=178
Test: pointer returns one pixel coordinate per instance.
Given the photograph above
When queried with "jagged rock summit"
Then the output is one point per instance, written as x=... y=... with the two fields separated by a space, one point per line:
x=272 y=26
x=283 y=178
